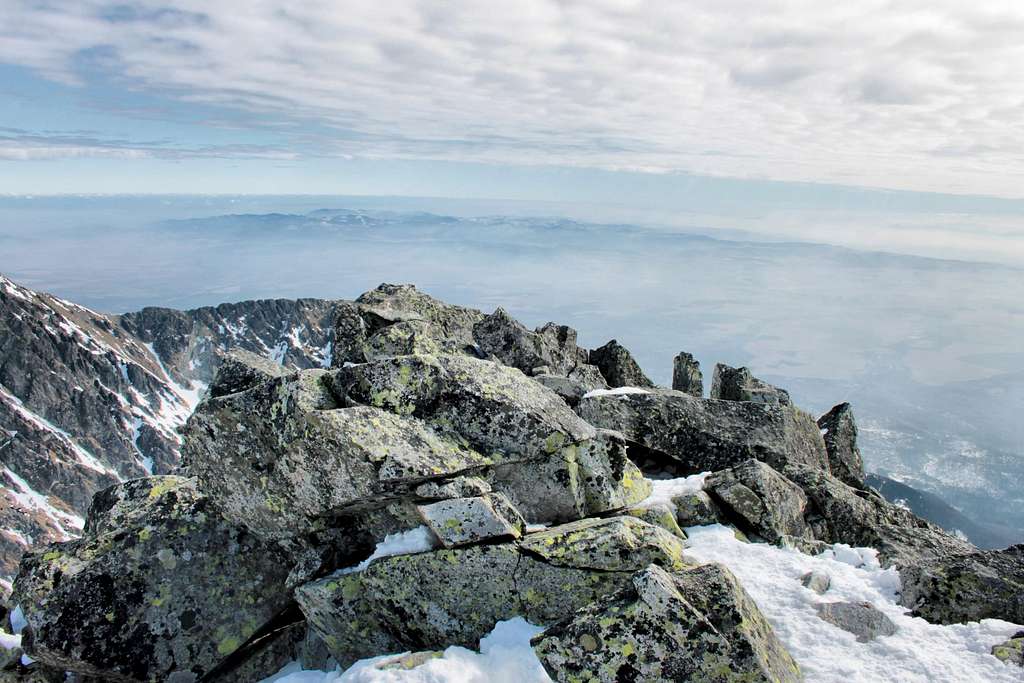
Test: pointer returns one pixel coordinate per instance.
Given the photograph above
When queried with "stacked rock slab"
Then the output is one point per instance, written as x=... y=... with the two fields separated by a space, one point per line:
x=760 y=500
x=701 y=435
x=159 y=588
x=694 y=625
x=455 y=596
x=288 y=455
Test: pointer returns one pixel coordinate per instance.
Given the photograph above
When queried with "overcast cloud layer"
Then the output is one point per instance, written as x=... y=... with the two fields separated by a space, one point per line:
x=911 y=95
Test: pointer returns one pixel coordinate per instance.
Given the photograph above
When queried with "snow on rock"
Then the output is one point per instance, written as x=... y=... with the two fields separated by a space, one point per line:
x=919 y=652
x=418 y=540
x=664 y=490
x=618 y=391
x=505 y=656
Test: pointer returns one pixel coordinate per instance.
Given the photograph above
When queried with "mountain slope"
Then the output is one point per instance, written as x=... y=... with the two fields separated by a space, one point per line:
x=89 y=399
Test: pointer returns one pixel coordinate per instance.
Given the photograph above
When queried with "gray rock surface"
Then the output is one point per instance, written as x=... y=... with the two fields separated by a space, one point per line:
x=686 y=375
x=759 y=500
x=451 y=327
x=862 y=619
x=693 y=625
x=840 y=433
x=241 y=370
x=970 y=587
x=737 y=384
x=701 y=435
x=159 y=586
x=618 y=367
x=819 y=582
x=696 y=509
x=462 y=521
x=554 y=346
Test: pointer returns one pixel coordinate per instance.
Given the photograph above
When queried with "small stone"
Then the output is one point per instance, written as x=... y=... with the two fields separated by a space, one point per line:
x=696 y=509
x=862 y=619
x=819 y=582
x=1011 y=651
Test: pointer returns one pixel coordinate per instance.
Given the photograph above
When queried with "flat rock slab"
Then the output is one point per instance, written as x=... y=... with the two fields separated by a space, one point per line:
x=693 y=625
x=862 y=619
x=461 y=521
x=702 y=435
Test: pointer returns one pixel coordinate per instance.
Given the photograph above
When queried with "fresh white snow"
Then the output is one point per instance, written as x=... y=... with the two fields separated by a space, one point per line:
x=505 y=656
x=618 y=391
x=418 y=540
x=664 y=490
x=919 y=652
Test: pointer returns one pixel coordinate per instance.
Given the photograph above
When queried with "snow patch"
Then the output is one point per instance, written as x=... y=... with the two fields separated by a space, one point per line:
x=664 y=490
x=505 y=656
x=32 y=499
x=618 y=391
x=919 y=652
x=418 y=540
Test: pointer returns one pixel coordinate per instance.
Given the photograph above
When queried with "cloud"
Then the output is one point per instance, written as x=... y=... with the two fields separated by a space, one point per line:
x=21 y=145
x=857 y=93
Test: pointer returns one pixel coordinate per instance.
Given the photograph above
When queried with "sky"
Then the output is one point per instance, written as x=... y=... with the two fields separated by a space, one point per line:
x=526 y=99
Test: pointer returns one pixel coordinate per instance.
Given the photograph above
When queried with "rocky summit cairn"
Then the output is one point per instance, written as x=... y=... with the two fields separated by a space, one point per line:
x=452 y=469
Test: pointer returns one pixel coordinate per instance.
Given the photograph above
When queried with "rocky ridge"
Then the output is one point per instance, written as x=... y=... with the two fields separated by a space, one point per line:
x=507 y=467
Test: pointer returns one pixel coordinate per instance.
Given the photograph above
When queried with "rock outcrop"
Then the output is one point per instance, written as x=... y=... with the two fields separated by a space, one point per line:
x=437 y=470
x=686 y=375
x=840 y=432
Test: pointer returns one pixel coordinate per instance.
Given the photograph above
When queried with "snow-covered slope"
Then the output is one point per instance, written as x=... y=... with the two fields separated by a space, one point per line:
x=88 y=399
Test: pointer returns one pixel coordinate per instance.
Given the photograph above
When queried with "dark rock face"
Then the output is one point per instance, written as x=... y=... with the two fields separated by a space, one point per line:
x=967 y=587
x=505 y=338
x=701 y=435
x=862 y=619
x=686 y=375
x=618 y=367
x=840 y=433
x=760 y=500
x=694 y=625
x=737 y=384
x=159 y=588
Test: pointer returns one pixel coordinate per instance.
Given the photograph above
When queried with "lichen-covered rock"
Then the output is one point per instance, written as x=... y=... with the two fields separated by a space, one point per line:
x=451 y=326
x=618 y=367
x=759 y=499
x=241 y=370
x=840 y=433
x=461 y=521
x=159 y=588
x=862 y=619
x=505 y=338
x=574 y=471
x=281 y=457
x=661 y=515
x=458 y=487
x=455 y=596
x=737 y=384
x=701 y=435
x=982 y=585
x=696 y=509
x=694 y=625
x=402 y=339
x=1011 y=651
x=686 y=375
x=574 y=386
